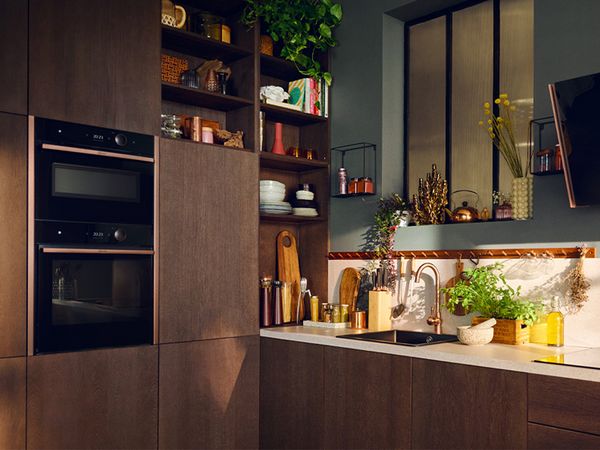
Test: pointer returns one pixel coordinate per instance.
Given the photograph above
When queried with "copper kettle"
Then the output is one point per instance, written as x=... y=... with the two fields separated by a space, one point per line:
x=465 y=213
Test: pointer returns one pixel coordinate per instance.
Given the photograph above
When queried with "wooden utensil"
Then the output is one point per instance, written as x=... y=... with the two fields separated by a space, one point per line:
x=288 y=268
x=460 y=267
x=349 y=287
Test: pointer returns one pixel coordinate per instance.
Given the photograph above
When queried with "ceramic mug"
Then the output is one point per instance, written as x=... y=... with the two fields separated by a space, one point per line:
x=169 y=13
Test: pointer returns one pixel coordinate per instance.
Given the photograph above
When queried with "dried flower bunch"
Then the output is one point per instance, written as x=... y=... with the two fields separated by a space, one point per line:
x=578 y=283
x=500 y=130
x=429 y=205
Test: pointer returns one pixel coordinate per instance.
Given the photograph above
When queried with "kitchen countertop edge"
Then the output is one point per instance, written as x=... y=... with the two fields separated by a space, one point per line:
x=518 y=358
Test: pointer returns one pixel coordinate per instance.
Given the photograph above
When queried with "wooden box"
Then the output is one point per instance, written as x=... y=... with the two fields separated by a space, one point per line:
x=506 y=331
x=171 y=68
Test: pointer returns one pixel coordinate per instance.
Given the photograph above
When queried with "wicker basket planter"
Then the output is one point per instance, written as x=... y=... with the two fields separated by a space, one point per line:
x=506 y=331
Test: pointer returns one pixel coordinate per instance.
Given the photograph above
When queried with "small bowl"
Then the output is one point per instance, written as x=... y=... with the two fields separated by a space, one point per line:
x=269 y=197
x=305 y=195
x=470 y=336
x=272 y=189
x=271 y=183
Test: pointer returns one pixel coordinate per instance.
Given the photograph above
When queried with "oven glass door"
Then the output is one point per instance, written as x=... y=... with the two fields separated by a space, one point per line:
x=91 y=188
x=89 y=300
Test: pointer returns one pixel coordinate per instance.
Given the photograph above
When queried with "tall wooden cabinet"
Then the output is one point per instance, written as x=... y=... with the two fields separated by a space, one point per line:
x=208 y=394
x=12 y=402
x=93 y=399
x=13 y=229
x=13 y=56
x=208 y=242
x=96 y=62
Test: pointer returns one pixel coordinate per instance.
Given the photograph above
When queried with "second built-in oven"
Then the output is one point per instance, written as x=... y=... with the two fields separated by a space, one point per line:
x=92 y=233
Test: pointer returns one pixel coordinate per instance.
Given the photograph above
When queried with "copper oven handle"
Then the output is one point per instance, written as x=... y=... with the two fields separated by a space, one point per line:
x=87 y=151
x=96 y=251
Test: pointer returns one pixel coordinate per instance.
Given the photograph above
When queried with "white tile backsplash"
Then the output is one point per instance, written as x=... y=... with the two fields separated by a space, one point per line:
x=539 y=279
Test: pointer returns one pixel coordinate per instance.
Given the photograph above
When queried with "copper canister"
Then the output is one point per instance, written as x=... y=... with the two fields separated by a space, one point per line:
x=358 y=320
x=353 y=186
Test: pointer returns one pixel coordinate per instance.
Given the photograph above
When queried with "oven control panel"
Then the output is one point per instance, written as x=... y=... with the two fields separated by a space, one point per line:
x=71 y=233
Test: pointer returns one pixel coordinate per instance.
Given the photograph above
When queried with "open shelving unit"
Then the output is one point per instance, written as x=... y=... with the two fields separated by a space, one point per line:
x=240 y=110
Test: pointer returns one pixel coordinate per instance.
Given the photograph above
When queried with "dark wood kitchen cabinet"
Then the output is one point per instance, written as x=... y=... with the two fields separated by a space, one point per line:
x=13 y=56
x=12 y=402
x=13 y=237
x=291 y=395
x=540 y=437
x=208 y=242
x=208 y=394
x=464 y=407
x=93 y=399
x=367 y=399
x=96 y=62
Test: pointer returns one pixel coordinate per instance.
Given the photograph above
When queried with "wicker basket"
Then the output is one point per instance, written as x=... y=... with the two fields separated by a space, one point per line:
x=506 y=331
x=171 y=68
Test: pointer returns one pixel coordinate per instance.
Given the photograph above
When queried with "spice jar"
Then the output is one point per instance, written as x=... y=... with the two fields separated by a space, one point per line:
x=345 y=312
x=365 y=185
x=294 y=151
x=353 y=186
x=314 y=308
x=207 y=135
x=543 y=157
x=336 y=314
x=326 y=312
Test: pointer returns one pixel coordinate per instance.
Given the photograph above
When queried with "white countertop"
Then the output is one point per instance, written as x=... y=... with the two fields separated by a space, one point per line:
x=518 y=358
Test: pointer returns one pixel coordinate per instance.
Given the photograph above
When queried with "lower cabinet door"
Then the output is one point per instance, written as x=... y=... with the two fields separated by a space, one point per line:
x=367 y=399
x=12 y=402
x=540 y=437
x=464 y=407
x=291 y=395
x=93 y=399
x=208 y=394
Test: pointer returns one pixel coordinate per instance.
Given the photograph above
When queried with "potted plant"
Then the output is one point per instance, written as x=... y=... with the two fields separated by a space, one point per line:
x=304 y=27
x=485 y=290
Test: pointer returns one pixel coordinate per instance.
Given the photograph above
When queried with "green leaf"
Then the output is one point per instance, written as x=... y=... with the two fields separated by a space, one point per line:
x=325 y=30
x=327 y=77
x=336 y=11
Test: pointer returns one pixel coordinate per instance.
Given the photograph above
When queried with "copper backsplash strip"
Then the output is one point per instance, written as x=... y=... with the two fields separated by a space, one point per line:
x=30 y=232
x=96 y=251
x=496 y=253
x=155 y=339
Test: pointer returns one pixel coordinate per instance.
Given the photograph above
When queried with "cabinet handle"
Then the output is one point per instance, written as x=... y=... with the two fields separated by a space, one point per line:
x=87 y=151
x=97 y=251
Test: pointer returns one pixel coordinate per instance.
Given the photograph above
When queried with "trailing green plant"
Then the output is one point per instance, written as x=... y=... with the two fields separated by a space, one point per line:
x=304 y=27
x=485 y=290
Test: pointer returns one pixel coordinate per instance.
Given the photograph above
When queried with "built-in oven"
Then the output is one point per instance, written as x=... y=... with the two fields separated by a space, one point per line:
x=92 y=259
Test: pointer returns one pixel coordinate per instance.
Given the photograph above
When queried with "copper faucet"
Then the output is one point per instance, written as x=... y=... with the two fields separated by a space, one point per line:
x=435 y=318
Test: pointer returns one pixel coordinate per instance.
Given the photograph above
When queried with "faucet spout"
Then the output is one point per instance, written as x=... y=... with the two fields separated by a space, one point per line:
x=435 y=319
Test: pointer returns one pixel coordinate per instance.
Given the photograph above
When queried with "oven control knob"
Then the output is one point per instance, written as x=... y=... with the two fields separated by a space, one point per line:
x=120 y=234
x=121 y=140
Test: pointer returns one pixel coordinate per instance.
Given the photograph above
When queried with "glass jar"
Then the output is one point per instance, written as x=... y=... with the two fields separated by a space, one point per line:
x=336 y=314
x=353 y=186
x=345 y=313
x=170 y=126
x=342 y=181
x=211 y=26
x=367 y=186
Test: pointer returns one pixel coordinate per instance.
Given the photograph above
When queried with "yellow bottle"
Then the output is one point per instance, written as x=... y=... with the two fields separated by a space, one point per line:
x=556 y=326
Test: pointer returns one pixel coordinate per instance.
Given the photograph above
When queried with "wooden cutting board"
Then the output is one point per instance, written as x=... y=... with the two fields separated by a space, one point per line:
x=288 y=267
x=349 y=287
x=459 y=311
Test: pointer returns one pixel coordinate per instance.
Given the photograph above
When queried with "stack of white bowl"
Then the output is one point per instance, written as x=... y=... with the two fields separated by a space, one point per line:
x=305 y=205
x=272 y=194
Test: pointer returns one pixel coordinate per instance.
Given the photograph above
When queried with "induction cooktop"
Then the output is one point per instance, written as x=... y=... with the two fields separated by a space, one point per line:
x=589 y=359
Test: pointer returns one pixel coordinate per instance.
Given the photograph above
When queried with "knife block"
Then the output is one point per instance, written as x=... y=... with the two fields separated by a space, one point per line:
x=380 y=303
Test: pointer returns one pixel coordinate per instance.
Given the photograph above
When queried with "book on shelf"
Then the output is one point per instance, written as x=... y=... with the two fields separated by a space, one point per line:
x=310 y=96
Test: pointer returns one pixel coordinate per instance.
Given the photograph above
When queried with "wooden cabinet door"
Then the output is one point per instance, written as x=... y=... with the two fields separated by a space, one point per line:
x=208 y=394
x=208 y=242
x=93 y=399
x=367 y=399
x=540 y=437
x=13 y=237
x=96 y=62
x=13 y=56
x=564 y=403
x=465 y=407
x=291 y=395
x=12 y=402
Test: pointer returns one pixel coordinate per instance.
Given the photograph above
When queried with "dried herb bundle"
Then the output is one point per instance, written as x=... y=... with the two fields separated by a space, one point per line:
x=429 y=205
x=578 y=283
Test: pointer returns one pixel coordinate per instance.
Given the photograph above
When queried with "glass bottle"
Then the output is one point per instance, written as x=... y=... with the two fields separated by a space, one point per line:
x=556 y=326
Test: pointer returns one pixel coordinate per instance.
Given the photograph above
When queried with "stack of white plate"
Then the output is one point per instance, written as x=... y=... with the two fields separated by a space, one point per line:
x=305 y=212
x=272 y=194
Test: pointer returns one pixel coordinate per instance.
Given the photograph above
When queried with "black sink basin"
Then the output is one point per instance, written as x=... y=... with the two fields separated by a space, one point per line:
x=400 y=337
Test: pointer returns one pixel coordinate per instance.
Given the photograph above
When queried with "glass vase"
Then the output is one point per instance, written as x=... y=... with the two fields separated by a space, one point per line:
x=522 y=198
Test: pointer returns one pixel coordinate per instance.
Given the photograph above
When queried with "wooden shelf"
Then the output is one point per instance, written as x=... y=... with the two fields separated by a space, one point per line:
x=279 y=68
x=289 y=218
x=204 y=144
x=220 y=7
x=360 y=194
x=198 y=97
x=289 y=116
x=196 y=45
x=291 y=163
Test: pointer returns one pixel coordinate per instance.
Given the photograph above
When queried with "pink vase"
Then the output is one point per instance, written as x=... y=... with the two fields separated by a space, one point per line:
x=278 y=142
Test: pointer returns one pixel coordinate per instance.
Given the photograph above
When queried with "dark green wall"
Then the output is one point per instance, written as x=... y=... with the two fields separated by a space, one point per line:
x=567 y=39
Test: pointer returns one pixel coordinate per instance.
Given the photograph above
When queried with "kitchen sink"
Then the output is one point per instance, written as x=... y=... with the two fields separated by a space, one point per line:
x=400 y=337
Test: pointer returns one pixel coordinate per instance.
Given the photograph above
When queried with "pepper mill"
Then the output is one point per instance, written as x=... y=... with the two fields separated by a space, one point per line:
x=278 y=306
x=266 y=302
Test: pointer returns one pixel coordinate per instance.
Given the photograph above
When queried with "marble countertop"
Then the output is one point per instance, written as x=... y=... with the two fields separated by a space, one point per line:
x=518 y=358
